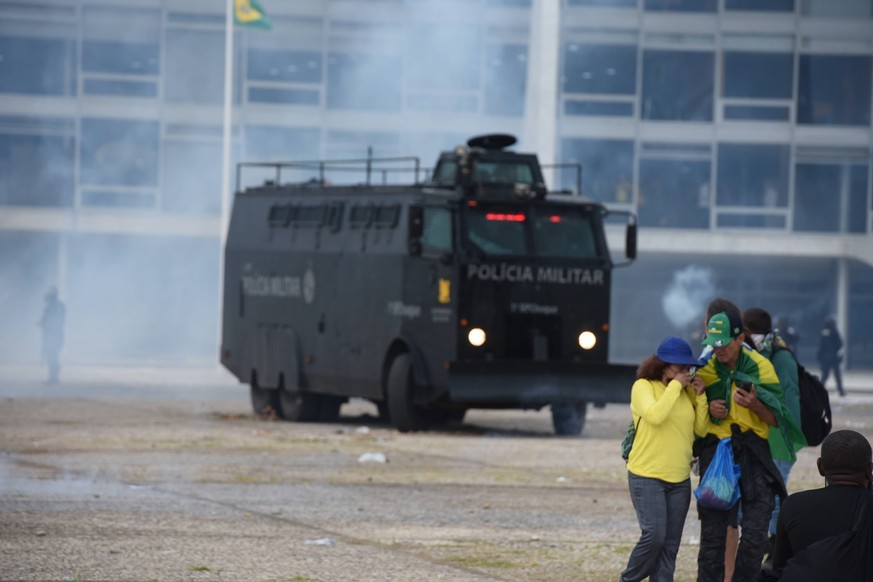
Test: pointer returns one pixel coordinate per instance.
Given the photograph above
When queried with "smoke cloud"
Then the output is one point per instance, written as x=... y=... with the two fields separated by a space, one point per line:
x=690 y=290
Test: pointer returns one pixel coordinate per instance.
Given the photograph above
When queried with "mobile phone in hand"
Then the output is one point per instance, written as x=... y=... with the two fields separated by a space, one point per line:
x=744 y=386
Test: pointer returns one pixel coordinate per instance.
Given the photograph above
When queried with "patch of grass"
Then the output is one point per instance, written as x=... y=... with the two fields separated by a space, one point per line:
x=483 y=562
x=199 y=569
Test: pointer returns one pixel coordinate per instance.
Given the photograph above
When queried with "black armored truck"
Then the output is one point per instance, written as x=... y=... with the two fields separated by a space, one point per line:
x=475 y=288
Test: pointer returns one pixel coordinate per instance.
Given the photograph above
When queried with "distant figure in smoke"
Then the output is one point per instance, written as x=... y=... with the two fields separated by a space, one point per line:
x=829 y=357
x=784 y=329
x=52 y=324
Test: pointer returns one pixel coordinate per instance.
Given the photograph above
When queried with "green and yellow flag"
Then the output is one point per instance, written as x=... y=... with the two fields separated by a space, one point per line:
x=250 y=13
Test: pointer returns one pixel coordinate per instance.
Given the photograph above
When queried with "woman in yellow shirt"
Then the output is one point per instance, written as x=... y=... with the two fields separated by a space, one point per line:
x=669 y=408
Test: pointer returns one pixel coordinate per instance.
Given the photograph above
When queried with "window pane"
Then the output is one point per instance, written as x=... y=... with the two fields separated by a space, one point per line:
x=284 y=65
x=452 y=102
x=857 y=203
x=442 y=57
x=192 y=177
x=117 y=152
x=831 y=198
x=563 y=232
x=758 y=113
x=120 y=57
x=683 y=5
x=605 y=108
x=758 y=75
x=276 y=95
x=37 y=66
x=678 y=85
x=674 y=193
x=493 y=229
x=602 y=69
x=118 y=199
x=36 y=170
x=120 y=88
x=728 y=220
x=615 y=3
x=607 y=168
x=505 y=79
x=752 y=175
x=265 y=143
x=190 y=76
x=513 y=3
x=843 y=8
x=834 y=90
x=437 y=229
x=364 y=81
x=758 y=5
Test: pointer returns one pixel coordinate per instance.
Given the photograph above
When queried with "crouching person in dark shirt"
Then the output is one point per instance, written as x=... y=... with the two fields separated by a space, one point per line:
x=827 y=534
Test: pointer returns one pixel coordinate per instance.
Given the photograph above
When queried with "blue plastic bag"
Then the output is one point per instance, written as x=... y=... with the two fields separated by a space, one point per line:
x=720 y=487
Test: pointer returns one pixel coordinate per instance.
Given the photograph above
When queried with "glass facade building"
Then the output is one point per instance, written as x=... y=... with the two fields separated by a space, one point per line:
x=739 y=131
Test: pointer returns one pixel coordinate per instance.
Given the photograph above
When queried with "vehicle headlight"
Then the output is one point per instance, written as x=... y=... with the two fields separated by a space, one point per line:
x=587 y=340
x=476 y=336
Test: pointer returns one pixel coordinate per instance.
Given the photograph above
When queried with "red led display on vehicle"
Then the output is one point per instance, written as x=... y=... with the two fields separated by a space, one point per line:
x=504 y=217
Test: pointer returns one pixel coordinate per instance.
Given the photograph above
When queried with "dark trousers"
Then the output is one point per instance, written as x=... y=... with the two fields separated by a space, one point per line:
x=826 y=367
x=661 y=510
x=53 y=359
x=757 y=503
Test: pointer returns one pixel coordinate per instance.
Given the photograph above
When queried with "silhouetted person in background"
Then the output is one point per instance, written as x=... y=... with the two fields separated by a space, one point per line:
x=52 y=324
x=830 y=344
x=783 y=328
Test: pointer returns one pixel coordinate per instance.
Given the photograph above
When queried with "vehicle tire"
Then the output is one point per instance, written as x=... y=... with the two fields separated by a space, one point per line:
x=568 y=418
x=298 y=406
x=404 y=415
x=265 y=402
x=384 y=413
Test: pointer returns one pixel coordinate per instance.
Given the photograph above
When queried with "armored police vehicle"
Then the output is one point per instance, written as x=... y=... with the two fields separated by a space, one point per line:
x=474 y=289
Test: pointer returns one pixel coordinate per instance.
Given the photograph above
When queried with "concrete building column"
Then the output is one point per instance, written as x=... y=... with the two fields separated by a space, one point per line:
x=842 y=313
x=541 y=92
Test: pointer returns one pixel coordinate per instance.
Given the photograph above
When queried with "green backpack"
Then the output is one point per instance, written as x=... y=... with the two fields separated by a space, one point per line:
x=628 y=443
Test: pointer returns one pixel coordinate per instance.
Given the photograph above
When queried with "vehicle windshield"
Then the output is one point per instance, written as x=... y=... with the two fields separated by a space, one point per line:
x=535 y=230
x=509 y=172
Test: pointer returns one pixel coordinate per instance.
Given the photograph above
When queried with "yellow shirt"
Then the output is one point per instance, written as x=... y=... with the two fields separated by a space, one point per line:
x=742 y=416
x=670 y=419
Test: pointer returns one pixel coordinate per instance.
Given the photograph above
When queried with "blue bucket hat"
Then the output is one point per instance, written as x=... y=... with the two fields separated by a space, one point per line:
x=674 y=350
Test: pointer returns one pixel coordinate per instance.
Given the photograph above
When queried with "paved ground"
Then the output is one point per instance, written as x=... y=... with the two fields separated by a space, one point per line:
x=164 y=474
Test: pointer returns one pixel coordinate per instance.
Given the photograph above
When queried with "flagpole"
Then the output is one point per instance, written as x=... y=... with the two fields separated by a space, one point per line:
x=225 y=155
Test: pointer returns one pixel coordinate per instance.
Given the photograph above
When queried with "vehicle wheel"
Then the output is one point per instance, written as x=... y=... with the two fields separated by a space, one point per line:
x=404 y=415
x=384 y=414
x=265 y=402
x=568 y=418
x=298 y=406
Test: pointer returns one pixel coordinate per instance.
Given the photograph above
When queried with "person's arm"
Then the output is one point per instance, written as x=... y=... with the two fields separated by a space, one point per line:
x=701 y=414
x=644 y=404
x=749 y=399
